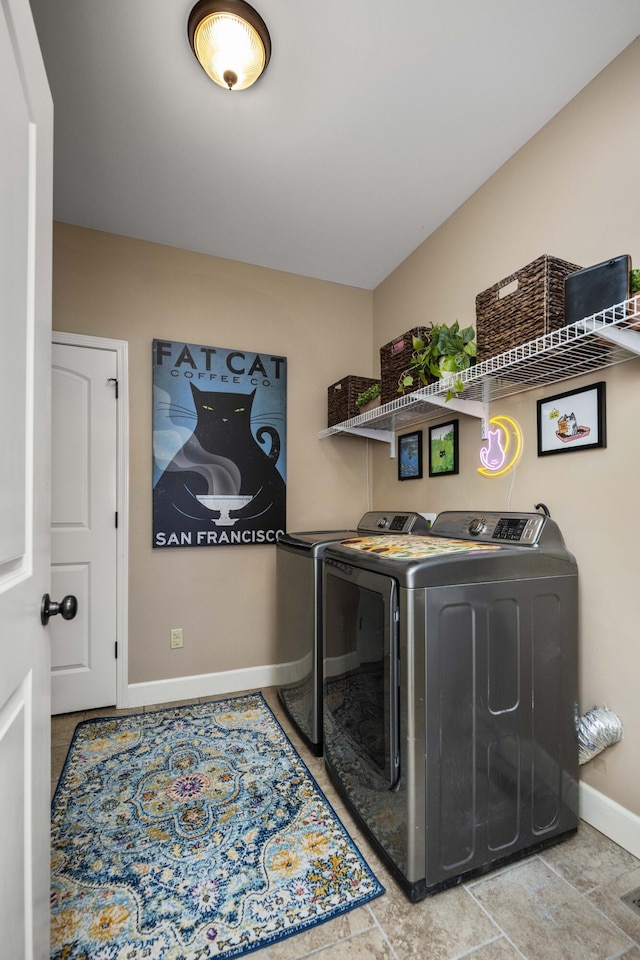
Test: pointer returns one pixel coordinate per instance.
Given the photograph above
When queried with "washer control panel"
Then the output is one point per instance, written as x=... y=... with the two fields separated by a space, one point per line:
x=523 y=529
x=382 y=521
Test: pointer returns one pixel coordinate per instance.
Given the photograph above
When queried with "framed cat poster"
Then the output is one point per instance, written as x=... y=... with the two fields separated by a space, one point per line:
x=572 y=421
x=219 y=446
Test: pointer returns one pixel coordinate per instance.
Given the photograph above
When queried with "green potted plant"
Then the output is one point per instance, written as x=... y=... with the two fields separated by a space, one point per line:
x=369 y=398
x=634 y=282
x=445 y=352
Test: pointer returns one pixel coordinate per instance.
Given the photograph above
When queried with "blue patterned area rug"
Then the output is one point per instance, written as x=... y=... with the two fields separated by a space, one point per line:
x=192 y=833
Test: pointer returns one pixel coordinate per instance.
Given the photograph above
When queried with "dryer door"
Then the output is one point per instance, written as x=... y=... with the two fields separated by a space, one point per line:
x=360 y=675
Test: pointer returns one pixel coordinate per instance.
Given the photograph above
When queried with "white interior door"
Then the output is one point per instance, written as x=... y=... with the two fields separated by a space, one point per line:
x=83 y=525
x=26 y=172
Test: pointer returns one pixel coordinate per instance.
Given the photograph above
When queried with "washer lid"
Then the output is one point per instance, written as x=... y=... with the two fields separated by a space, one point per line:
x=308 y=539
x=410 y=547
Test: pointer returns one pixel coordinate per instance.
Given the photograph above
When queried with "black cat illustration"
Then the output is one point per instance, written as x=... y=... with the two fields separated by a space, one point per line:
x=223 y=458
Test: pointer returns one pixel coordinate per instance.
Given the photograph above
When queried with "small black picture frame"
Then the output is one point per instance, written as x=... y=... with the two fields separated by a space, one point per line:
x=410 y=456
x=572 y=421
x=443 y=449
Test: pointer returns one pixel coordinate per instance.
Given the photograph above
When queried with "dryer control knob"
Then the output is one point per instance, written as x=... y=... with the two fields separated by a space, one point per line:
x=383 y=522
x=477 y=526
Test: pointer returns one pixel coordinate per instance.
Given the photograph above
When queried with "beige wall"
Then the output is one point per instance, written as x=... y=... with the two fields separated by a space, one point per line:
x=222 y=597
x=570 y=192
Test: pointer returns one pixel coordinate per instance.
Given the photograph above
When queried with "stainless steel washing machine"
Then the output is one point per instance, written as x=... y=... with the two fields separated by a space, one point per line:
x=299 y=611
x=450 y=692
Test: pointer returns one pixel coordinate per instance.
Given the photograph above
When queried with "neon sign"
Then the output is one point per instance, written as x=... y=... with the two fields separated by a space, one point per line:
x=503 y=449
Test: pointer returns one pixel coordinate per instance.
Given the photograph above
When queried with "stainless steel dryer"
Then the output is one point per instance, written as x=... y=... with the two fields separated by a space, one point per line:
x=299 y=611
x=450 y=692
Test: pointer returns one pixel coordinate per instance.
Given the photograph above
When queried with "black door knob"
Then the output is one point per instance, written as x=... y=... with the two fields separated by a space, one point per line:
x=68 y=607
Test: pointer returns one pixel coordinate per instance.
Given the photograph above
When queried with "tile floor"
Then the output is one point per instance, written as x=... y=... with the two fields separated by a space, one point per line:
x=563 y=904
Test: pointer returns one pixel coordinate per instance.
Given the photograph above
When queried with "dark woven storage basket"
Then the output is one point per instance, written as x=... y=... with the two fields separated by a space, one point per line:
x=395 y=358
x=534 y=308
x=341 y=399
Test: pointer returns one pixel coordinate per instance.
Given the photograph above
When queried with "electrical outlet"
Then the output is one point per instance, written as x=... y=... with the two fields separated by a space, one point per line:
x=176 y=638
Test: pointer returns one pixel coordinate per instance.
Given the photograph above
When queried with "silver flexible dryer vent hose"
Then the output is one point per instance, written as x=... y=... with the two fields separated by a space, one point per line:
x=597 y=729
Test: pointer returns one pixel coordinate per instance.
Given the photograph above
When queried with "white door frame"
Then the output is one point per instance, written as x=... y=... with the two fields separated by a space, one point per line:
x=121 y=349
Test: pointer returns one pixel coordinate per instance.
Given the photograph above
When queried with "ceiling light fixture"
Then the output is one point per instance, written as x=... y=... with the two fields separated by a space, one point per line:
x=230 y=40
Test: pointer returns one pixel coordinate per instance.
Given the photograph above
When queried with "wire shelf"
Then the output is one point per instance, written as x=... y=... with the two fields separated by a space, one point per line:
x=601 y=340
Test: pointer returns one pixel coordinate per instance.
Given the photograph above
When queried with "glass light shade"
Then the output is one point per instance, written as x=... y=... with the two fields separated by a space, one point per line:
x=230 y=49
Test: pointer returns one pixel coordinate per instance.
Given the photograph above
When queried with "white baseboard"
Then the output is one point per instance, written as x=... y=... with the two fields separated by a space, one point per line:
x=211 y=684
x=610 y=818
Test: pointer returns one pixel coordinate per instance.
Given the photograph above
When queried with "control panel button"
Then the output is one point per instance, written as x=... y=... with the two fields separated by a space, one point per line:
x=398 y=523
x=383 y=522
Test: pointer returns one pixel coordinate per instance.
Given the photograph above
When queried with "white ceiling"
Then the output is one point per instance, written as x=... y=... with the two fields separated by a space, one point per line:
x=374 y=121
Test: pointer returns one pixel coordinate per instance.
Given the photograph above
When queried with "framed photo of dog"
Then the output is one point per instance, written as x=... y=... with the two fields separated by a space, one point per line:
x=410 y=456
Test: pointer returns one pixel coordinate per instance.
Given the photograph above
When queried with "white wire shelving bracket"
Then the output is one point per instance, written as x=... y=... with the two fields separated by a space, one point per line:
x=601 y=340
